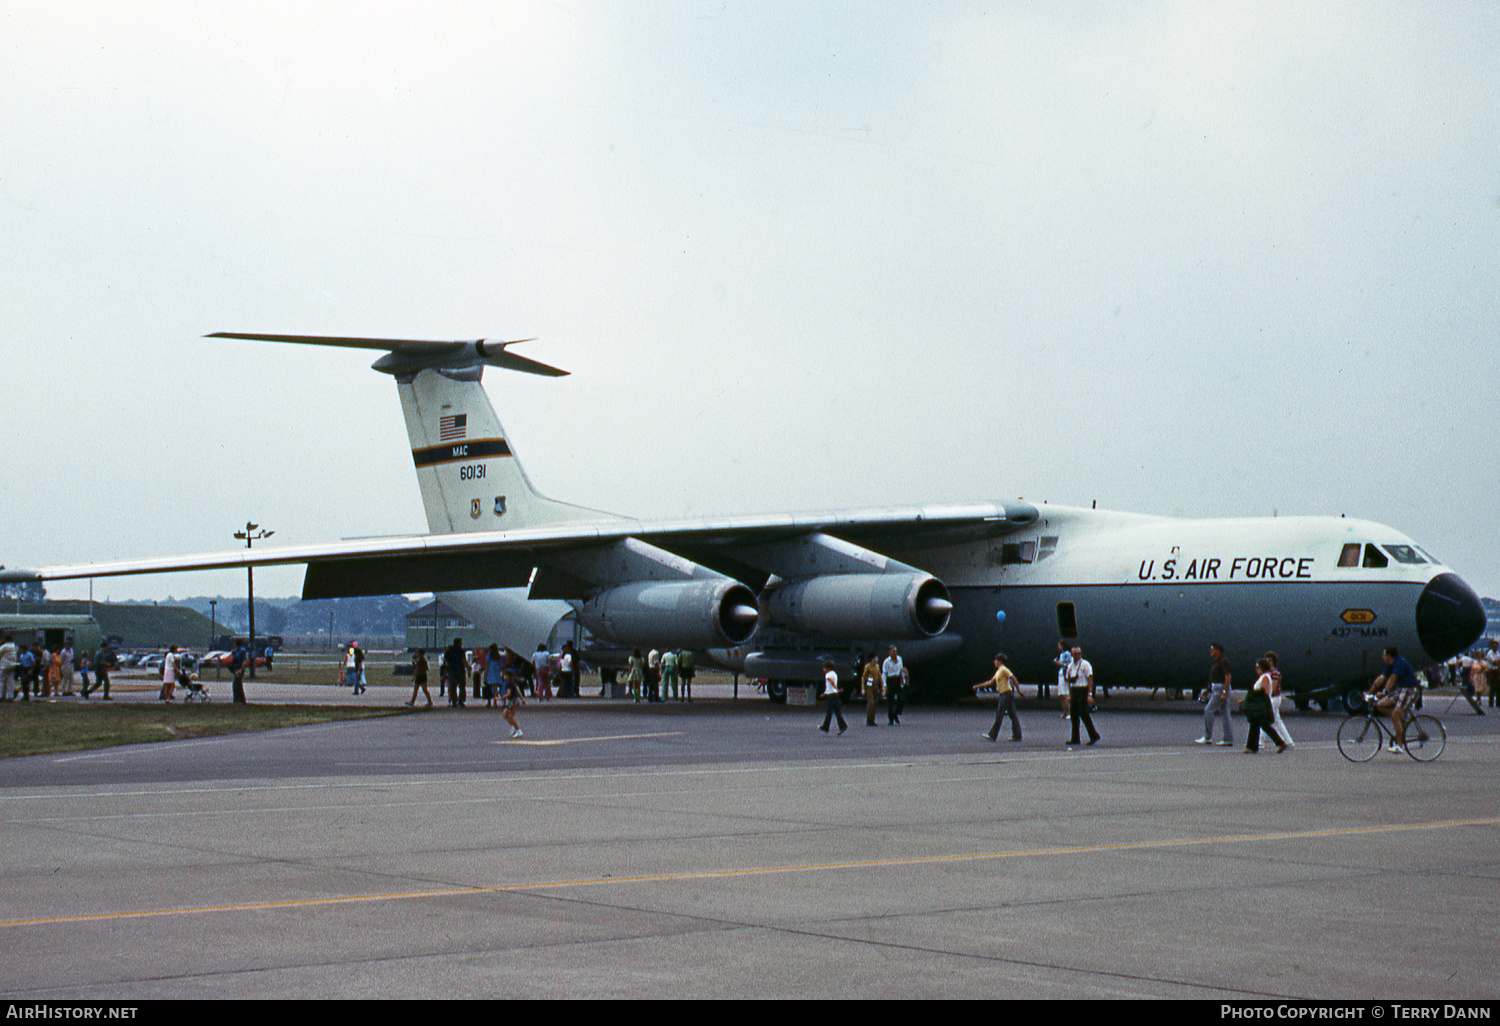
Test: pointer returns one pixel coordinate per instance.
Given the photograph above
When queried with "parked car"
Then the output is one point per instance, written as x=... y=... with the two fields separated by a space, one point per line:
x=223 y=659
x=153 y=661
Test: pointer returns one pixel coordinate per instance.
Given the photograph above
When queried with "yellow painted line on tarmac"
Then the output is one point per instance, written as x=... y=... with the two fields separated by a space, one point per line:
x=576 y=740
x=723 y=874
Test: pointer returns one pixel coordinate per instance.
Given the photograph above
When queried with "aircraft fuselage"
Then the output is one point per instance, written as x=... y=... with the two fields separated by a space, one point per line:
x=1145 y=596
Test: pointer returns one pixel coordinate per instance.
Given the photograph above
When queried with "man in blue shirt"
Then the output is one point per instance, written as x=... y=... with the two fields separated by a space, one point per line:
x=26 y=664
x=1395 y=691
x=237 y=663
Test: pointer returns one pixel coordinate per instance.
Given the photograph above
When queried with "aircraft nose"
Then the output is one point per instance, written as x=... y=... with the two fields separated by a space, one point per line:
x=1450 y=617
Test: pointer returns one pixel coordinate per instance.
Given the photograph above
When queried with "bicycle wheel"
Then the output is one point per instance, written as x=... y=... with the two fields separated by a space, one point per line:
x=1424 y=738
x=1360 y=737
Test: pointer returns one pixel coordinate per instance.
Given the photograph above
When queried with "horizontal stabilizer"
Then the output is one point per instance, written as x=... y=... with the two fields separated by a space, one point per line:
x=407 y=356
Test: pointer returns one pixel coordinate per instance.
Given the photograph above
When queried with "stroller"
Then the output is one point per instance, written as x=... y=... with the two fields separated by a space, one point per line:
x=196 y=692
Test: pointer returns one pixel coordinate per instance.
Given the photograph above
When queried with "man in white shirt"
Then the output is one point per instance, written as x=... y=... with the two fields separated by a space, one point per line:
x=894 y=672
x=1064 y=657
x=567 y=681
x=1079 y=676
x=831 y=698
x=8 y=662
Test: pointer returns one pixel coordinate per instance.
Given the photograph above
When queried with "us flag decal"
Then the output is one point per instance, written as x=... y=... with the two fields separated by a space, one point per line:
x=452 y=428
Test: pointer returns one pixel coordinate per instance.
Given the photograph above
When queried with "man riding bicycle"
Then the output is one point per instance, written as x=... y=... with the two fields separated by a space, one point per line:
x=1395 y=692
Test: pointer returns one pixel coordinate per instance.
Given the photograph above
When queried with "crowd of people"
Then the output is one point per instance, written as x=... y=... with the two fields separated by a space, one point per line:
x=498 y=677
x=1473 y=673
x=34 y=670
x=874 y=679
x=1261 y=705
x=661 y=675
x=502 y=679
x=1394 y=692
x=1075 y=687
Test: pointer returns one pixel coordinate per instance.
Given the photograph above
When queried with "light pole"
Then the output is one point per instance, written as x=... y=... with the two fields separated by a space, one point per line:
x=251 y=535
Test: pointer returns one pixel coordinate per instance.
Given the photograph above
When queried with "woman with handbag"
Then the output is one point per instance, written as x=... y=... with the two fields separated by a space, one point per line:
x=1257 y=708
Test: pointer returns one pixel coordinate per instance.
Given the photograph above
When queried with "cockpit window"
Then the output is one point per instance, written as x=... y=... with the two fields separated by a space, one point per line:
x=1376 y=559
x=1430 y=557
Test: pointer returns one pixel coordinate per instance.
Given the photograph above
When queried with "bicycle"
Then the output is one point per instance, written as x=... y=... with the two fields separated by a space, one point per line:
x=1365 y=733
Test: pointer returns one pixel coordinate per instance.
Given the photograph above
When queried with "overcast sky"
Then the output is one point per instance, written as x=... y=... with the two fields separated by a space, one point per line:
x=1189 y=259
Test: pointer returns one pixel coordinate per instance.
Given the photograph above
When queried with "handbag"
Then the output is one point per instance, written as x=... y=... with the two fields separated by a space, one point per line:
x=1255 y=703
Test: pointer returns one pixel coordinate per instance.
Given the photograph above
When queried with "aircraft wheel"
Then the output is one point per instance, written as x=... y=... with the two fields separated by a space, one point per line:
x=776 y=691
x=1354 y=700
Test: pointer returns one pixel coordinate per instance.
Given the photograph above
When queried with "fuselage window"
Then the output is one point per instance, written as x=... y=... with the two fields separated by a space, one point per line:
x=1047 y=548
x=1404 y=553
x=1021 y=552
x=1375 y=558
x=1350 y=555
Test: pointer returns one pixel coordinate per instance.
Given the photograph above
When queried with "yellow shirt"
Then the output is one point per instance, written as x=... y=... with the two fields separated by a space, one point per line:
x=1003 y=680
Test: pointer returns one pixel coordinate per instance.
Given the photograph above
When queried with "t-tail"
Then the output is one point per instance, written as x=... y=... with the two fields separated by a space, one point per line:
x=466 y=467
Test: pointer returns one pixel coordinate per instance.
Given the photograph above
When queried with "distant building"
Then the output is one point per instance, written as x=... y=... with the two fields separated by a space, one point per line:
x=52 y=631
x=434 y=626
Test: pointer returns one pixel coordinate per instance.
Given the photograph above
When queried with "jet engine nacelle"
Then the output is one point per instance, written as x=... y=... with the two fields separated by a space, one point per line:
x=673 y=614
x=864 y=606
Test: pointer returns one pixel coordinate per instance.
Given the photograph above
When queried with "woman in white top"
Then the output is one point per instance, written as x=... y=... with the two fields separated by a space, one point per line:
x=169 y=675
x=1258 y=713
x=635 y=676
x=1270 y=657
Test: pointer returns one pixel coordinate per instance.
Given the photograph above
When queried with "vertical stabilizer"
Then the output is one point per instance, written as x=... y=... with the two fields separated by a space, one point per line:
x=467 y=471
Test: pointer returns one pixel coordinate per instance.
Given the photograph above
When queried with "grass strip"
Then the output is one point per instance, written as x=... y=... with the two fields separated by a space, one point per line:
x=41 y=728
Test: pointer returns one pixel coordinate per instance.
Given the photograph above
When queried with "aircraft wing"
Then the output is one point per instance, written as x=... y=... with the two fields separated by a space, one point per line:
x=506 y=559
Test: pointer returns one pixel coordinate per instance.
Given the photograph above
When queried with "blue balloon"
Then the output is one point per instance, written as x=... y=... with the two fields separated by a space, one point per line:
x=999 y=616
